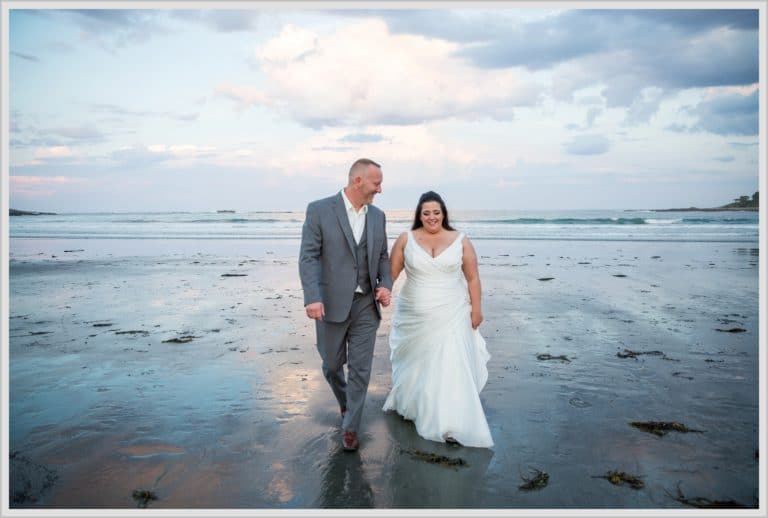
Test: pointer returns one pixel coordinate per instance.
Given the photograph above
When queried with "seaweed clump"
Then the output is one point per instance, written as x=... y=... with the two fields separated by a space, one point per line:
x=434 y=458
x=661 y=428
x=180 y=340
x=628 y=353
x=562 y=357
x=538 y=480
x=705 y=503
x=619 y=478
x=29 y=481
x=143 y=496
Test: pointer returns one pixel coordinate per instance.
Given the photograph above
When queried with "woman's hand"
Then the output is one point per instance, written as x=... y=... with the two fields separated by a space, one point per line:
x=384 y=296
x=477 y=318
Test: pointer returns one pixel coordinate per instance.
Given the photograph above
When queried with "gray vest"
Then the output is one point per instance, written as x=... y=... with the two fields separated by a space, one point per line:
x=361 y=256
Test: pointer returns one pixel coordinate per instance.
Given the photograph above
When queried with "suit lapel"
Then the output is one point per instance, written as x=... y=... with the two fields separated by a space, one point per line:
x=369 y=229
x=341 y=215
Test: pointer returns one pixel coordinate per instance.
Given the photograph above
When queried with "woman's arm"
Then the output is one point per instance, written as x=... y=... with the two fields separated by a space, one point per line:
x=469 y=267
x=397 y=257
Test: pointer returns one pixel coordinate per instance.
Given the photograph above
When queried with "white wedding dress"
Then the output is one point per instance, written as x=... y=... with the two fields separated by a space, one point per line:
x=438 y=360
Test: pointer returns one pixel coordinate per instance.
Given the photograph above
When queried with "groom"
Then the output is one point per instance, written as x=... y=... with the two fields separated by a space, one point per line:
x=344 y=270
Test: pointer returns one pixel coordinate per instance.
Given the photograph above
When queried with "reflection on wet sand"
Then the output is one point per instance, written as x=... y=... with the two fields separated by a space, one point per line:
x=418 y=484
x=241 y=417
x=344 y=483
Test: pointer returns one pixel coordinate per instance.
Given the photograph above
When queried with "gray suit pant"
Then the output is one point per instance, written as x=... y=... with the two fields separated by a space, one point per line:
x=350 y=342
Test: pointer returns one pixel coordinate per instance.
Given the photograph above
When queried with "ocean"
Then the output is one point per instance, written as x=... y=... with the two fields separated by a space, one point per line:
x=584 y=225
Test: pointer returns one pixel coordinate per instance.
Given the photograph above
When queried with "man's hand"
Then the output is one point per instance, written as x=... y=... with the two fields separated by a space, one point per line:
x=384 y=296
x=315 y=311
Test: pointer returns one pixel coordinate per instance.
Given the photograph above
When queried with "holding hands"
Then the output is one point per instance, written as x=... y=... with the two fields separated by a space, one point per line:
x=384 y=296
x=316 y=310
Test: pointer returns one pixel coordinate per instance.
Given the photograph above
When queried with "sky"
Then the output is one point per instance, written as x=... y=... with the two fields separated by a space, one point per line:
x=265 y=108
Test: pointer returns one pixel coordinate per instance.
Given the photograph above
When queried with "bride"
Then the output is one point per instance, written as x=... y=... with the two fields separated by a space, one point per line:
x=438 y=355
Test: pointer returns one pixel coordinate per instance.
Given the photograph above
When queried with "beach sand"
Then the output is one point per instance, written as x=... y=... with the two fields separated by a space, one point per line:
x=189 y=369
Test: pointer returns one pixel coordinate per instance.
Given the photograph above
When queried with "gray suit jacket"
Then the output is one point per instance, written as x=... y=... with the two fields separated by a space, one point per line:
x=327 y=257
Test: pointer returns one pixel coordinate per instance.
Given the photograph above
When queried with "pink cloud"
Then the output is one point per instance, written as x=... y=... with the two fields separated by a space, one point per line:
x=54 y=152
x=25 y=181
x=38 y=186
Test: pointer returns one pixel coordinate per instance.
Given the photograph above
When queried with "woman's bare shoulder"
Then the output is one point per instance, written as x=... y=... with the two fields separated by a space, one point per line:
x=401 y=239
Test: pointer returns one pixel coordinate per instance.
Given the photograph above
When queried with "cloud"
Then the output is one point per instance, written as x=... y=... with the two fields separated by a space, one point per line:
x=40 y=180
x=725 y=159
x=112 y=29
x=592 y=114
x=293 y=44
x=54 y=152
x=412 y=80
x=335 y=148
x=108 y=29
x=437 y=23
x=587 y=145
x=139 y=156
x=37 y=187
x=361 y=137
x=244 y=96
x=629 y=51
x=539 y=44
x=27 y=57
x=114 y=109
x=79 y=134
x=563 y=26
x=130 y=158
x=644 y=106
x=30 y=136
x=731 y=114
x=678 y=128
x=221 y=20
x=697 y=20
x=47 y=155
x=185 y=151
x=34 y=142
x=693 y=34
x=409 y=153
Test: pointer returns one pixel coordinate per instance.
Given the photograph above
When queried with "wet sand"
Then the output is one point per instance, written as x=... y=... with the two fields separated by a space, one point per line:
x=190 y=370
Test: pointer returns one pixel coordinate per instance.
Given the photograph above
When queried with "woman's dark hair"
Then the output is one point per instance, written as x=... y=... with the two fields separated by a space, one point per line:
x=430 y=196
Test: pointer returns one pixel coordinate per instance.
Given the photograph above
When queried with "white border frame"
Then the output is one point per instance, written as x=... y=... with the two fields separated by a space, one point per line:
x=761 y=5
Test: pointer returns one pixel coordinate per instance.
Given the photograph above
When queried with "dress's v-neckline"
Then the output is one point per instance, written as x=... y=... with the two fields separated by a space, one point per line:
x=441 y=252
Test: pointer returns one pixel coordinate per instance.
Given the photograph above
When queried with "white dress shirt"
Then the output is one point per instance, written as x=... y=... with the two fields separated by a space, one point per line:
x=356 y=221
x=356 y=218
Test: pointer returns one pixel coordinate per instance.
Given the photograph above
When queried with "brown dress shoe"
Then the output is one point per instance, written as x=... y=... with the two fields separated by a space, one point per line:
x=349 y=441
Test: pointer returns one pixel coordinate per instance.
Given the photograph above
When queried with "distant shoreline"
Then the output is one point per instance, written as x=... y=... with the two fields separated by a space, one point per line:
x=714 y=209
x=14 y=212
